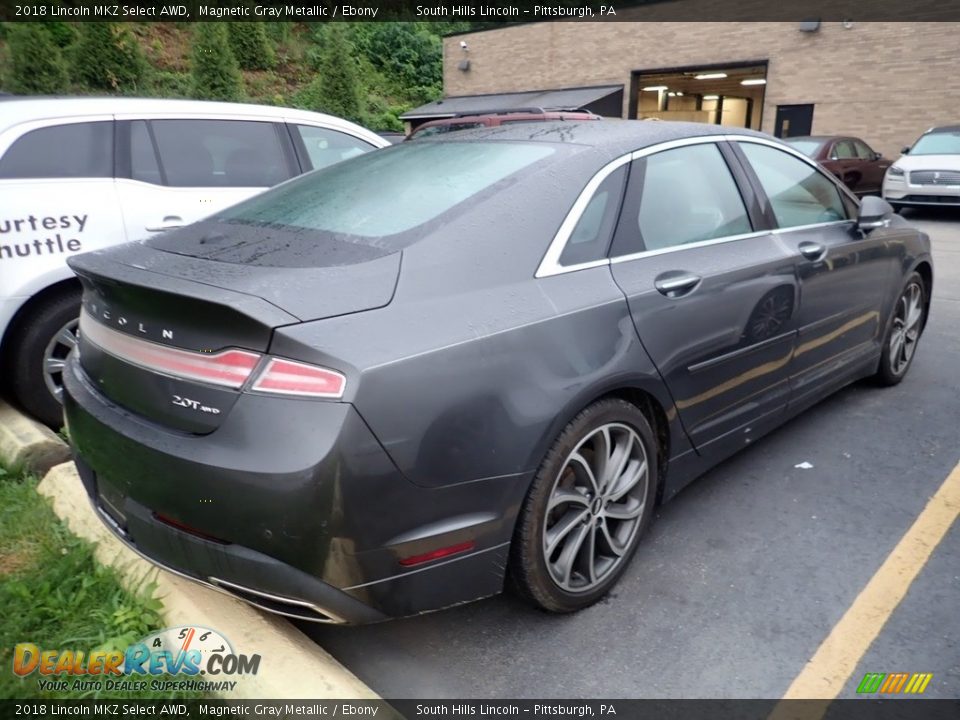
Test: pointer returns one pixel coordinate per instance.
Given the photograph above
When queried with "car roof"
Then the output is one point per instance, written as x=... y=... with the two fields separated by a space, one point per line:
x=614 y=136
x=21 y=109
x=944 y=128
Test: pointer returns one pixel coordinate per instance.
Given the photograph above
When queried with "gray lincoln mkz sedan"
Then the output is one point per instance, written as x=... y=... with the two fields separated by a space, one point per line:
x=383 y=387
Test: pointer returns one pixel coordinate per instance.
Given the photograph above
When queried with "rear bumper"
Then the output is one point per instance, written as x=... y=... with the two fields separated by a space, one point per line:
x=291 y=505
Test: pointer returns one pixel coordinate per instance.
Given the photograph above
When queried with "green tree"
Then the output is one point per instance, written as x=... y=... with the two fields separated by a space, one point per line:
x=216 y=75
x=336 y=89
x=250 y=45
x=37 y=65
x=108 y=56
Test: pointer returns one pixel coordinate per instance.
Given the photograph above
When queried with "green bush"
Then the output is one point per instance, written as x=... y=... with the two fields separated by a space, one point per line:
x=108 y=56
x=61 y=32
x=336 y=89
x=36 y=63
x=250 y=45
x=216 y=75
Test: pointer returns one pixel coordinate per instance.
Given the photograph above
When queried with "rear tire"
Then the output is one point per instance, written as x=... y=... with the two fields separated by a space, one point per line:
x=903 y=332
x=36 y=351
x=589 y=504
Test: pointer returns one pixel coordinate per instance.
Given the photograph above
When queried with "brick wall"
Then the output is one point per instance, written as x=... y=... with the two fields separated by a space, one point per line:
x=884 y=82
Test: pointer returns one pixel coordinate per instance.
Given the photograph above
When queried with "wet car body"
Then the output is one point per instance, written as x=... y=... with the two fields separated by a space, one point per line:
x=466 y=348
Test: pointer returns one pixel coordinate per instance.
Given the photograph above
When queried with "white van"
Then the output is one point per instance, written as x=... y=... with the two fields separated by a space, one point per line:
x=78 y=174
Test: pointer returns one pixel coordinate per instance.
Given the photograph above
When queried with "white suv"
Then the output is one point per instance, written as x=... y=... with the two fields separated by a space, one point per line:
x=78 y=174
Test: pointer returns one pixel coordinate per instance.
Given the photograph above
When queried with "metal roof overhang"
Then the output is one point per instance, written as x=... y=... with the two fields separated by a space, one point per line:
x=565 y=99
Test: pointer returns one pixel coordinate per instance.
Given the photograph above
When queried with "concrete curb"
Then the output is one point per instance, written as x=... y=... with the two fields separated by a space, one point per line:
x=292 y=665
x=28 y=444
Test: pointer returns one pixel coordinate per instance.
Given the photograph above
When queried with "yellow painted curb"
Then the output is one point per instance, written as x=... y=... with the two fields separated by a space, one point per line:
x=292 y=665
x=28 y=444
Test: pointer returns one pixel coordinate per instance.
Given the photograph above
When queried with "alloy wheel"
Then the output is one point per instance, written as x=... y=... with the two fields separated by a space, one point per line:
x=595 y=507
x=55 y=357
x=906 y=328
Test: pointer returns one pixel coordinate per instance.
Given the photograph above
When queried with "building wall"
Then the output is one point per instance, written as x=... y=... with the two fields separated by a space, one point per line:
x=884 y=82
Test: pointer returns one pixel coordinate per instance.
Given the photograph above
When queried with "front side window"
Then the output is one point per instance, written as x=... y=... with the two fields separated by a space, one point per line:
x=863 y=150
x=688 y=196
x=843 y=150
x=799 y=194
x=220 y=153
x=326 y=147
x=76 y=150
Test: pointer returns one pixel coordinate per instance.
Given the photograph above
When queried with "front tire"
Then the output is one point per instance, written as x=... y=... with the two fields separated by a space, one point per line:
x=903 y=333
x=587 y=508
x=37 y=351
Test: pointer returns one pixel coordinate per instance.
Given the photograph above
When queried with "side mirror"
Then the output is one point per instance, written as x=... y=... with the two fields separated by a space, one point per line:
x=877 y=155
x=874 y=213
x=906 y=150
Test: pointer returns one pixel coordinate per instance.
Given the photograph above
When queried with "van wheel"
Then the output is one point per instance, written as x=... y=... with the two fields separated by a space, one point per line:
x=587 y=508
x=37 y=352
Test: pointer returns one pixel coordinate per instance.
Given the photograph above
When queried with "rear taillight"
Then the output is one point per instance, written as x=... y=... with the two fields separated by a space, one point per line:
x=227 y=368
x=287 y=377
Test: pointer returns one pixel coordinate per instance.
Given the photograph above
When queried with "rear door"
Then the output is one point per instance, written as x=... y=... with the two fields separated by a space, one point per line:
x=175 y=171
x=713 y=294
x=844 y=274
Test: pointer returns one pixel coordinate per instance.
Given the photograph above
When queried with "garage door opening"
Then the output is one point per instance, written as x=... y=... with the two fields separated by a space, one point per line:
x=730 y=94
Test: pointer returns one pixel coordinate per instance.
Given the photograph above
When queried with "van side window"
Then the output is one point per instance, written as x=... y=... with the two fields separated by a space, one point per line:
x=325 y=147
x=143 y=156
x=220 y=153
x=74 y=150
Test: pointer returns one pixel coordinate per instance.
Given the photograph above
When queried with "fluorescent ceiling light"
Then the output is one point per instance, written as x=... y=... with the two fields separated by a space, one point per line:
x=710 y=76
x=672 y=94
x=654 y=88
x=711 y=97
x=679 y=93
x=754 y=81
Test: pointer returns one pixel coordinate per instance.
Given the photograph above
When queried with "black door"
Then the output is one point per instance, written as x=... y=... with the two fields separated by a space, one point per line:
x=793 y=120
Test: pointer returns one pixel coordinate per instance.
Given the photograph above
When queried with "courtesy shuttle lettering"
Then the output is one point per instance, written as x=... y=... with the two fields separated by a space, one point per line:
x=55 y=242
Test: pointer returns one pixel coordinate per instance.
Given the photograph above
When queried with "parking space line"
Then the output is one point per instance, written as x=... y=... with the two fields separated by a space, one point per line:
x=831 y=666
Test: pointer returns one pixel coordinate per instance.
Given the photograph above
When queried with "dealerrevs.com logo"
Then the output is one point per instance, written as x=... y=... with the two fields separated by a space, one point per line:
x=197 y=658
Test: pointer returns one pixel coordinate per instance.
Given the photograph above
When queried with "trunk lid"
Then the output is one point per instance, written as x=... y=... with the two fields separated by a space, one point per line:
x=141 y=303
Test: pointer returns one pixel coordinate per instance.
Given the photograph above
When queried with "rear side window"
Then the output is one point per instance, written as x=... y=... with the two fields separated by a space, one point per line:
x=220 y=153
x=591 y=235
x=325 y=147
x=76 y=150
x=798 y=193
x=450 y=127
x=688 y=196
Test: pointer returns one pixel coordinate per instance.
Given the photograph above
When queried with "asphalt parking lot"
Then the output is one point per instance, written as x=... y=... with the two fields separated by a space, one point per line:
x=746 y=572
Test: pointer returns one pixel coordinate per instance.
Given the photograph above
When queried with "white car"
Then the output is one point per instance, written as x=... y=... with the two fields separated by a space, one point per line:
x=78 y=174
x=928 y=174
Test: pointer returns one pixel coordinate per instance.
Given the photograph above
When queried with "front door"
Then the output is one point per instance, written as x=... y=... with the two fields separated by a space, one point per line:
x=793 y=121
x=844 y=275
x=714 y=298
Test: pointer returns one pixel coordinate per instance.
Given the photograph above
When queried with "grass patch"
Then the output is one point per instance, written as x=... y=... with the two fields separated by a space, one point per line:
x=53 y=594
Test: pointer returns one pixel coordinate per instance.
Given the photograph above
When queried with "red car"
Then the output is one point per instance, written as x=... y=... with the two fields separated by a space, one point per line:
x=853 y=161
x=493 y=119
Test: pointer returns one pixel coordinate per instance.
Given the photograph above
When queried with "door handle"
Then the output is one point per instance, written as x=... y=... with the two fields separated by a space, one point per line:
x=812 y=250
x=169 y=222
x=675 y=285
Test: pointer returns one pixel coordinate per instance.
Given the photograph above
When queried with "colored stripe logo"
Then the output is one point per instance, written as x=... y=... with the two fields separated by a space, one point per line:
x=894 y=683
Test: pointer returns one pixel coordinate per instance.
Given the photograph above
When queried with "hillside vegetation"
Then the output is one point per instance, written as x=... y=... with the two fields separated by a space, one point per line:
x=367 y=72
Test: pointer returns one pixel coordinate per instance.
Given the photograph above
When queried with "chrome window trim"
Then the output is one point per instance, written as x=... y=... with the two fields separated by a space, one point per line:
x=550 y=265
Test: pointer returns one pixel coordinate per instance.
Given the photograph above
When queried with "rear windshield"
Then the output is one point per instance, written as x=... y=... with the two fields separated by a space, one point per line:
x=446 y=128
x=360 y=208
x=938 y=143
x=391 y=191
x=807 y=147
